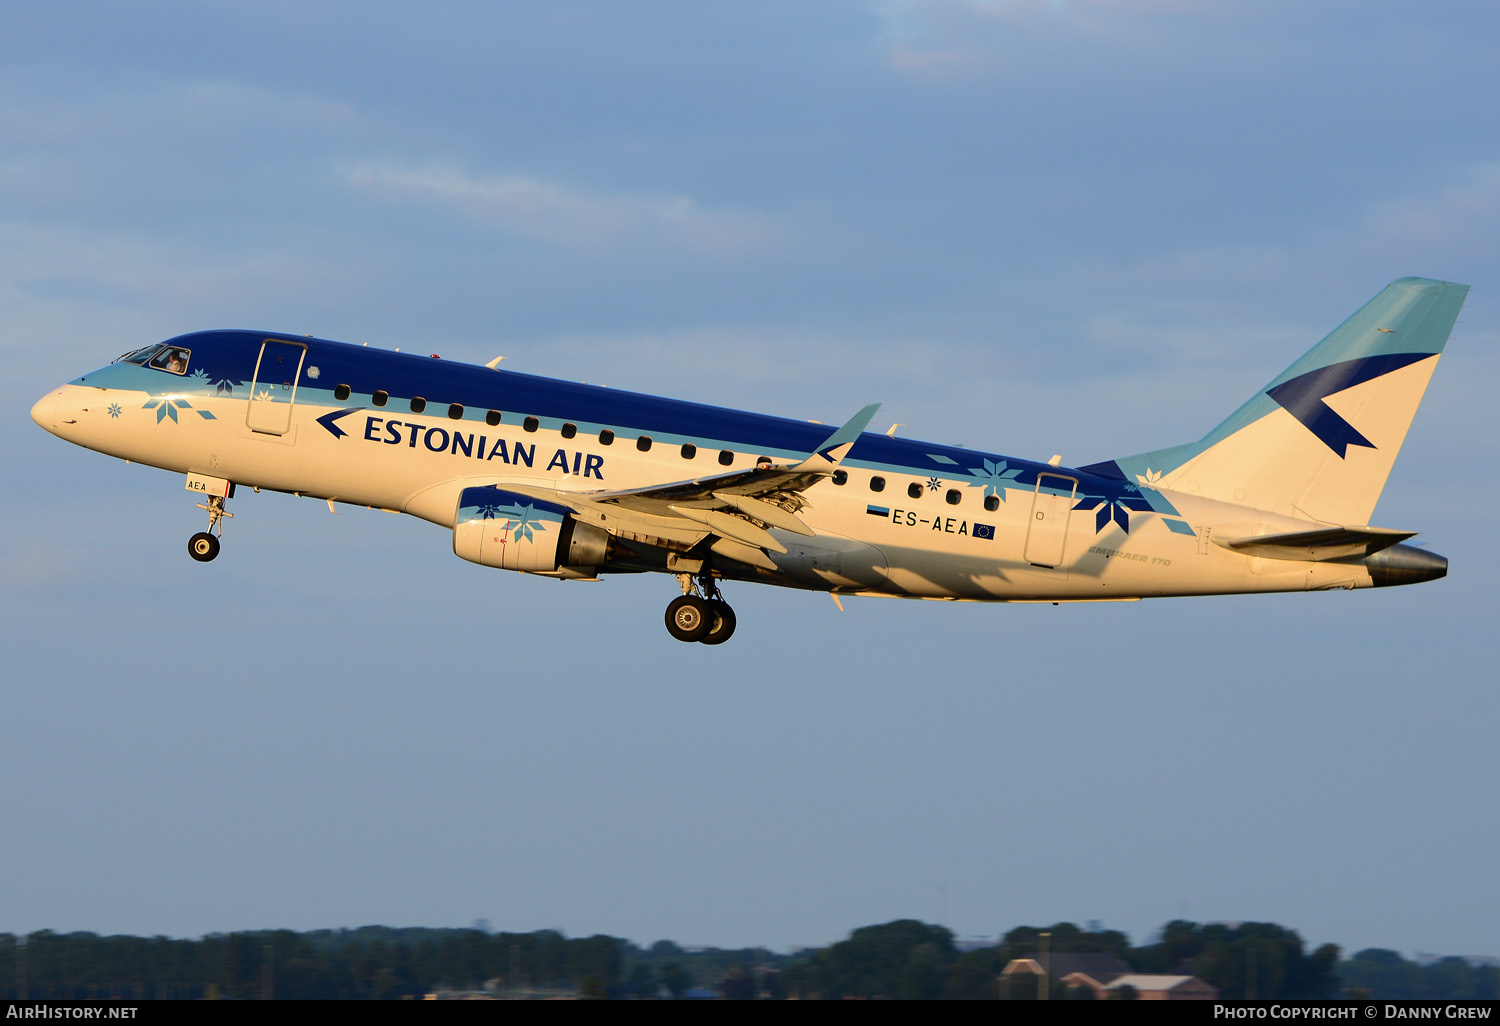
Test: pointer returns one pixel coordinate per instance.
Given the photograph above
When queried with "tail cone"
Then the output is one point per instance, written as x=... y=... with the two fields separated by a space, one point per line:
x=1405 y=564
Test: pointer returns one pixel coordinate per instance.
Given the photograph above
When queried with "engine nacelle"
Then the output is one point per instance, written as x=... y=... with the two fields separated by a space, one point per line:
x=504 y=529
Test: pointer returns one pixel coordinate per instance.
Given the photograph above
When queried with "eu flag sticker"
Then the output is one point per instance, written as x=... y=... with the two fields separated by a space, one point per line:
x=877 y=511
x=985 y=531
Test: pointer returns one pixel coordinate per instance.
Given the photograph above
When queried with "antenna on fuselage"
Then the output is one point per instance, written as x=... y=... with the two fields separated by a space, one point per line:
x=495 y=363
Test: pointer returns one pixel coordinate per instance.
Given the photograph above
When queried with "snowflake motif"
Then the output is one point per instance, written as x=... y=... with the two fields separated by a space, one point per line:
x=263 y=395
x=199 y=377
x=1151 y=478
x=487 y=510
x=225 y=386
x=167 y=408
x=114 y=410
x=523 y=520
x=1109 y=510
x=933 y=484
x=995 y=478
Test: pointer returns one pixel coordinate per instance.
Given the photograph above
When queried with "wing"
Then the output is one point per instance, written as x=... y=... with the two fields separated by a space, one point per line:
x=732 y=512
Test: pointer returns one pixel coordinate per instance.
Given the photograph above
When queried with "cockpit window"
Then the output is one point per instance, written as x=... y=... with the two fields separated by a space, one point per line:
x=171 y=359
x=140 y=355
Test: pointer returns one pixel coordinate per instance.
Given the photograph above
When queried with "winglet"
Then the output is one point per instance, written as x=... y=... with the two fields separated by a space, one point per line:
x=832 y=452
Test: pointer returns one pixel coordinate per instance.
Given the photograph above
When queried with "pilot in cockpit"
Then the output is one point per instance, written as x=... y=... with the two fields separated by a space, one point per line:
x=172 y=360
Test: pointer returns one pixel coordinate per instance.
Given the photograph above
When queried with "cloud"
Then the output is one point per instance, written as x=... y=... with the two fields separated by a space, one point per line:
x=794 y=371
x=561 y=213
x=1445 y=228
x=57 y=265
x=37 y=563
x=925 y=35
x=77 y=297
x=179 y=116
x=1069 y=11
x=1465 y=213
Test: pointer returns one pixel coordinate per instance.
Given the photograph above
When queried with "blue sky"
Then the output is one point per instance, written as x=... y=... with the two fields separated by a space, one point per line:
x=1086 y=227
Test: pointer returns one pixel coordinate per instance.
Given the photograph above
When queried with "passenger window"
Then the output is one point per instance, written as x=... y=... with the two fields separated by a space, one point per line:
x=341 y=392
x=689 y=450
x=992 y=502
x=954 y=495
x=492 y=418
x=726 y=457
x=877 y=484
x=531 y=423
x=173 y=361
x=418 y=404
x=914 y=490
x=569 y=430
x=456 y=411
x=840 y=476
x=643 y=443
x=380 y=398
x=606 y=437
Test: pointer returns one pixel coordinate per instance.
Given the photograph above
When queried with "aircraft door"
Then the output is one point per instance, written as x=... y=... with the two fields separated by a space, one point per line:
x=274 y=388
x=1048 y=530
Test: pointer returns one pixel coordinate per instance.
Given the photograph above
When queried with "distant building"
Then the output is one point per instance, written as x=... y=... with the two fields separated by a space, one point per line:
x=1105 y=975
x=1163 y=988
x=1090 y=969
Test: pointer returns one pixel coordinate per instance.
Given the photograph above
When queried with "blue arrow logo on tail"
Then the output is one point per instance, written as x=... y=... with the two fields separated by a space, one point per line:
x=1304 y=396
x=328 y=419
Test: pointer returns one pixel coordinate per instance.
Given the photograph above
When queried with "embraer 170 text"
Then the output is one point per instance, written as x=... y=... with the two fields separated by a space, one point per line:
x=574 y=481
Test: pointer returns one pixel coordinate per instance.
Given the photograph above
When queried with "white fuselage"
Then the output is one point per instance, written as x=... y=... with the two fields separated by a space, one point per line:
x=1035 y=544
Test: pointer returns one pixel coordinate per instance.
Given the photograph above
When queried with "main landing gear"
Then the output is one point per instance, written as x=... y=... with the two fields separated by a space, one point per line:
x=204 y=545
x=700 y=614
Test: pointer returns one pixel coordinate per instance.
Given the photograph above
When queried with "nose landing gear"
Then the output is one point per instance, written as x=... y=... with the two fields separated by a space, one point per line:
x=700 y=614
x=204 y=545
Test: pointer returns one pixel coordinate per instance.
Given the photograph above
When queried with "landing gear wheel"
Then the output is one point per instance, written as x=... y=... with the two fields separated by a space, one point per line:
x=203 y=546
x=722 y=626
x=688 y=618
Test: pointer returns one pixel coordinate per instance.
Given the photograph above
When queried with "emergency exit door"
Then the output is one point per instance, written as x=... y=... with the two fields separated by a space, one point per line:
x=1048 y=531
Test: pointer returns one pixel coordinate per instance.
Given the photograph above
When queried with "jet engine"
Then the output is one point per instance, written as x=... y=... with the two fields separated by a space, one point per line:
x=511 y=531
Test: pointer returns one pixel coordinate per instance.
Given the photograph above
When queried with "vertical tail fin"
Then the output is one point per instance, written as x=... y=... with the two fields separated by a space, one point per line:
x=1318 y=442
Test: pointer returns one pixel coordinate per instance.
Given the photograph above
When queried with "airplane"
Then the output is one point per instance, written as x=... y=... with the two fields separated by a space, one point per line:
x=575 y=481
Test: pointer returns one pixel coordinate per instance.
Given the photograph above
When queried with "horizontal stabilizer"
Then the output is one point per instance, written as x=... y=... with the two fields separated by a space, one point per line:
x=1319 y=546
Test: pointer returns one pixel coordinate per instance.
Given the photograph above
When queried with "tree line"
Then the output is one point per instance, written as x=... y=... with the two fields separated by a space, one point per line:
x=903 y=959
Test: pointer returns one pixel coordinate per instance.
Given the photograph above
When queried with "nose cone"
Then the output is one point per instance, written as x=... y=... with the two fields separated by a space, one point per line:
x=45 y=411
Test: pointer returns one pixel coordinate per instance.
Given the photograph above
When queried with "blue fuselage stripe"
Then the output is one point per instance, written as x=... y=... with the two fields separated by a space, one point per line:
x=232 y=355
